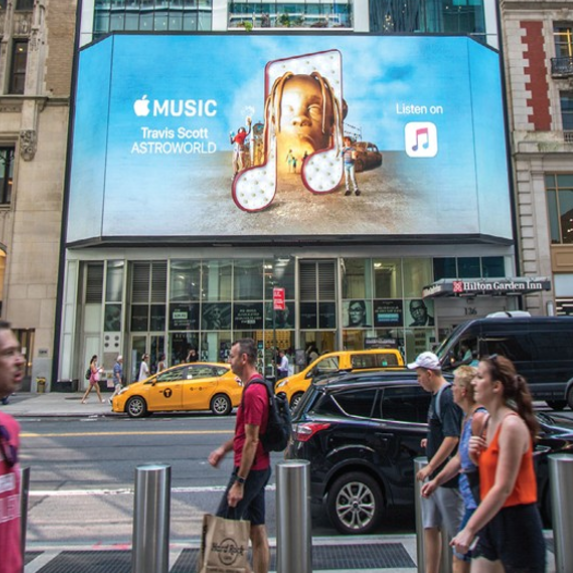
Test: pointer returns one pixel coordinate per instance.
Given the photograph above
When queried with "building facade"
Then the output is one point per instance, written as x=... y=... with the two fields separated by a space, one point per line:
x=188 y=271
x=36 y=51
x=136 y=278
x=539 y=72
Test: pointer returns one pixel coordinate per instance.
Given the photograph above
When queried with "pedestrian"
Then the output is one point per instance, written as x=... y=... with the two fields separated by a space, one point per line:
x=117 y=376
x=506 y=523
x=162 y=364
x=143 y=368
x=192 y=355
x=282 y=370
x=11 y=374
x=244 y=497
x=474 y=416
x=445 y=506
x=95 y=372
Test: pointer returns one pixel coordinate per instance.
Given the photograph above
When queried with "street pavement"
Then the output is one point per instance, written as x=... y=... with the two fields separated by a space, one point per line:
x=363 y=554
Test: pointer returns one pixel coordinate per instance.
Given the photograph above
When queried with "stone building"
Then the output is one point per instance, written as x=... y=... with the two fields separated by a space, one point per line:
x=36 y=52
x=538 y=57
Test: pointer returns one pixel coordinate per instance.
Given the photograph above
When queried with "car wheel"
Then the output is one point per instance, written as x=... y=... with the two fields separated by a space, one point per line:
x=295 y=400
x=570 y=397
x=136 y=407
x=557 y=405
x=221 y=405
x=354 y=503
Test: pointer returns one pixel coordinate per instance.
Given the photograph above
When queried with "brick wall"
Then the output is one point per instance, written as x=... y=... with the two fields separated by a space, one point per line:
x=60 y=34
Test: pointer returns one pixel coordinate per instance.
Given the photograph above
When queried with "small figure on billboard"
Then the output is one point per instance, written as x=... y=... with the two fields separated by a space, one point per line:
x=419 y=313
x=349 y=158
x=240 y=147
x=305 y=113
x=291 y=161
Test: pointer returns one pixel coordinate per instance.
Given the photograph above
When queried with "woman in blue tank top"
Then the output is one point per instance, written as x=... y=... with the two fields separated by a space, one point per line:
x=474 y=414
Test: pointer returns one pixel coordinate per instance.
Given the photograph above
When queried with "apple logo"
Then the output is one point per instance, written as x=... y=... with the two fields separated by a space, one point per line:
x=141 y=106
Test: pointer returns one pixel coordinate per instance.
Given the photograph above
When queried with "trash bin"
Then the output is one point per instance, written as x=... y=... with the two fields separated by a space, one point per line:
x=40 y=384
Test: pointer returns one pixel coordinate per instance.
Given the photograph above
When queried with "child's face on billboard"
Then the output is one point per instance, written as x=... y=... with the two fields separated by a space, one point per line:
x=301 y=115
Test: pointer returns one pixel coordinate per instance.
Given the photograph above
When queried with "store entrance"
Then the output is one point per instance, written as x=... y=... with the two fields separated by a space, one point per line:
x=153 y=344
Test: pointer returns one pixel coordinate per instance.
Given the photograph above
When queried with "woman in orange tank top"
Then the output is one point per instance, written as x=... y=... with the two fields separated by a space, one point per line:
x=506 y=525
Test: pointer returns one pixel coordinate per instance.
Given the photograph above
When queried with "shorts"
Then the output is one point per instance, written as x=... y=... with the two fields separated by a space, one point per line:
x=252 y=506
x=444 y=507
x=514 y=537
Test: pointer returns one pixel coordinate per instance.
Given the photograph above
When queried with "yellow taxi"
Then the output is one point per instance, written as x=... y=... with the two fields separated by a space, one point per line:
x=345 y=360
x=197 y=386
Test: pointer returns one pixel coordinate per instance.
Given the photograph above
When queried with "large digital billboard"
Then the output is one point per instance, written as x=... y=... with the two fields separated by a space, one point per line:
x=232 y=137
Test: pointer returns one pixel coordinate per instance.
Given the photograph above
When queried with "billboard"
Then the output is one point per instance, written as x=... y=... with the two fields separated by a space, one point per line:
x=233 y=137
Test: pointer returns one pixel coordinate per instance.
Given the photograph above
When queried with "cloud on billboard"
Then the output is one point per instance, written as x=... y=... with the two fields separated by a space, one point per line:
x=242 y=136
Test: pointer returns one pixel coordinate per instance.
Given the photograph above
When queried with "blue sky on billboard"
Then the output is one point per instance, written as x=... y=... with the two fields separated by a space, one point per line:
x=154 y=117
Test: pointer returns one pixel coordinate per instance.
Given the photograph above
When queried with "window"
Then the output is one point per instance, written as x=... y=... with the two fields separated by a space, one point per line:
x=360 y=361
x=567 y=110
x=326 y=366
x=563 y=34
x=357 y=402
x=405 y=404
x=559 y=190
x=18 y=73
x=171 y=375
x=25 y=5
x=6 y=174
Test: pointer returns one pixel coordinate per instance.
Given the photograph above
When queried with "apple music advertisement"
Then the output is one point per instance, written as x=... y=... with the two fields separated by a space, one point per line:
x=235 y=137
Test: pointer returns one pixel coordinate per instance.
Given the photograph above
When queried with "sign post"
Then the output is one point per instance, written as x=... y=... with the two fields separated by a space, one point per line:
x=278 y=304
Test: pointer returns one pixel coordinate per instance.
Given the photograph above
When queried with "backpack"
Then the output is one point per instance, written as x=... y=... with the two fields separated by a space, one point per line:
x=88 y=373
x=279 y=425
x=438 y=403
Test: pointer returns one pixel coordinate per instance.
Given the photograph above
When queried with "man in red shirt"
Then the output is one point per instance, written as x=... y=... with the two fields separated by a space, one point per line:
x=245 y=494
x=11 y=371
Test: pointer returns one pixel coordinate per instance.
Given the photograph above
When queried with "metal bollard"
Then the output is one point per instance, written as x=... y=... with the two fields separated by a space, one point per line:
x=446 y=560
x=294 y=539
x=151 y=512
x=24 y=491
x=561 y=478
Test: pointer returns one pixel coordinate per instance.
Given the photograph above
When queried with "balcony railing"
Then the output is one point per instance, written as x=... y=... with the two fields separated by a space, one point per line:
x=562 y=67
x=568 y=136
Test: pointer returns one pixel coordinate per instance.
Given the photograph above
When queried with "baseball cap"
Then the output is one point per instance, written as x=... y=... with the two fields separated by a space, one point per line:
x=426 y=360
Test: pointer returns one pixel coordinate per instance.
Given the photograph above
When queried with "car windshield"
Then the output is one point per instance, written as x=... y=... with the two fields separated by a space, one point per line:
x=445 y=346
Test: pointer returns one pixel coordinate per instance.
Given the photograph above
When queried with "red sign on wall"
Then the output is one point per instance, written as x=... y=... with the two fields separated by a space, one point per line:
x=278 y=298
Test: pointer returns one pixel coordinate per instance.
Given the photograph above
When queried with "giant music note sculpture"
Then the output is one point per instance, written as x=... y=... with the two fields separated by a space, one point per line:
x=303 y=112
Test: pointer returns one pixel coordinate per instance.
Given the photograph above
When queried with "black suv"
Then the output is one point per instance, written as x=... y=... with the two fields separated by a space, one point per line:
x=361 y=433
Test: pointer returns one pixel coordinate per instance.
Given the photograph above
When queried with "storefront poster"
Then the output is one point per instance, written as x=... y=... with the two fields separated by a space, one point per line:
x=388 y=312
x=206 y=147
x=248 y=316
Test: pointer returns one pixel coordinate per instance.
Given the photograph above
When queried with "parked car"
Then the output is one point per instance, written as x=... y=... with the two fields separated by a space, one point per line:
x=196 y=386
x=367 y=156
x=344 y=360
x=361 y=433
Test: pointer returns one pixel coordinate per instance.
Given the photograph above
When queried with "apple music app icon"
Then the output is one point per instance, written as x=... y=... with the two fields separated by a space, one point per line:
x=421 y=139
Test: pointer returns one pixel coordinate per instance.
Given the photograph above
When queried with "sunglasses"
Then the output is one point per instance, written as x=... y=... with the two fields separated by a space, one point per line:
x=8 y=451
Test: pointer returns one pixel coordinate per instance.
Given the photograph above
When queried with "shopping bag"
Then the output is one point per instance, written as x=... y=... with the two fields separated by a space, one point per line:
x=224 y=545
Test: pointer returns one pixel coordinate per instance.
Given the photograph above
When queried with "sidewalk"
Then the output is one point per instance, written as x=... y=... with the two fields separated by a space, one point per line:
x=29 y=405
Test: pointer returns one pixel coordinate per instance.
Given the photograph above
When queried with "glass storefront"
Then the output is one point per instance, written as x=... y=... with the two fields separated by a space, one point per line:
x=180 y=305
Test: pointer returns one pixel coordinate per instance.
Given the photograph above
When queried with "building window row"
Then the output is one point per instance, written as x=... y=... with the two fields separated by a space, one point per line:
x=303 y=14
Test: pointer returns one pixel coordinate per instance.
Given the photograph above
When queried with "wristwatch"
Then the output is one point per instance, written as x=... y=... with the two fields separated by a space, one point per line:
x=240 y=480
